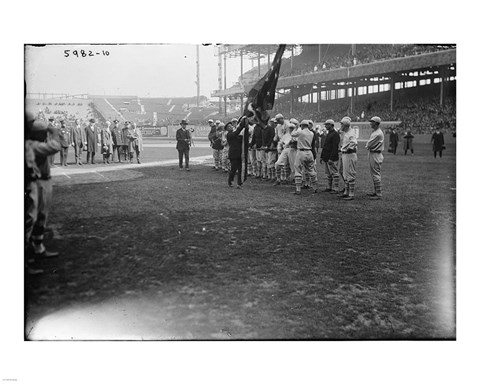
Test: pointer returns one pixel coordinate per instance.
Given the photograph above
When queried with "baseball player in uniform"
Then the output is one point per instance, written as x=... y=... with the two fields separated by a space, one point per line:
x=375 y=148
x=304 y=157
x=283 y=149
x=257 y=144
x=349 y=158
x=270 y=149
x=292 y=154
x=330 y=157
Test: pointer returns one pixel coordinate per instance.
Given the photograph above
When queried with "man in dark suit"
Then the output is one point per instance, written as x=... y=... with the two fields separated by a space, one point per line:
x=91 y=132
x=183 y=144
x=235 y=141
x=79 y=141
x=330 y=157
x=393 y=141
x=65 y=142
x=117 y=140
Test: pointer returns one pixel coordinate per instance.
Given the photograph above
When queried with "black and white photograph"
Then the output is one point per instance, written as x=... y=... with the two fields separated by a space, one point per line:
x=309 y=195
x=196 y=201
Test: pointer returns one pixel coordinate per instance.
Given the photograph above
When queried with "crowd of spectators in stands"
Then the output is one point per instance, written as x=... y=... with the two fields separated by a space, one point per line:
x=418 y=113
x=365 y=53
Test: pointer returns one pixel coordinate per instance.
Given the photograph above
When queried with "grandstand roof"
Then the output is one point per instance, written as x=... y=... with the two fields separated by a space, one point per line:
x=403 y=64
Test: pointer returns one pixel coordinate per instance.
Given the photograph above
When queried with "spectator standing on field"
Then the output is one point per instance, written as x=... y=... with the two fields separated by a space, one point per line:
x=183 y=145
x=107 y=144
x=393 y=141
x=65 y=139
x=408 y=142
x=438 y=142
x=92 y=133
x=79 y=141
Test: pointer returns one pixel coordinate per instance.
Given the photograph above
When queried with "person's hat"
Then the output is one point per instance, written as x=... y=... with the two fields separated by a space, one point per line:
x=294 y=121
x=279 y=116
x=220 y=126
x=329 y=121
x=310 y=123
x=346 y=120
x=184 y=122
x=210 y=121
x=291 y=126
x=218 y=122
x=273 y=119
x=376 y=119
x=51 y=118
x=304 y=122
x=234 y=120
x=92 y=120
x=115 y=121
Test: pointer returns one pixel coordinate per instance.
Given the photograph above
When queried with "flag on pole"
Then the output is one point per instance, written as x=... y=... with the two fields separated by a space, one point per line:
x=261 y=98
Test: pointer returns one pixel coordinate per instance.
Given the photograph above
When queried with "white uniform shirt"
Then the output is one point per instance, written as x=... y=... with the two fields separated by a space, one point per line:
x=304 y=138
x=375 y=143
x=349 y=140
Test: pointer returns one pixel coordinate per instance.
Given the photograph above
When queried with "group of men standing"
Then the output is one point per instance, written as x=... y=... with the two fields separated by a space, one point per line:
x=285 y=151
x=123 y=141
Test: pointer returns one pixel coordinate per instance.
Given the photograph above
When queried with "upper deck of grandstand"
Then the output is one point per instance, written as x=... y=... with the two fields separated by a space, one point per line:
x=324 y=58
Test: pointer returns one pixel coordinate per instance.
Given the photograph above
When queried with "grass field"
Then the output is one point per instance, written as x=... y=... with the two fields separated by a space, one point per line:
x=157 y=253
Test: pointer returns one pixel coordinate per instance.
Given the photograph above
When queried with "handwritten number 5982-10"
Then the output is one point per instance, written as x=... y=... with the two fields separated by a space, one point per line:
x=83 y=53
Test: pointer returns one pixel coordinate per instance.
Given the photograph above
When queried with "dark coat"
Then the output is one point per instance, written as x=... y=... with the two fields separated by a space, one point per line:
x=408 y=141
x=117 y=136
x=330 y=146
x=92 y=138
x=78 y=136
x=268 y=134
x=64 y=135
x=393 y=139
x=438 y=141
x=235 y=144
x=183 y=139
x=257 y=137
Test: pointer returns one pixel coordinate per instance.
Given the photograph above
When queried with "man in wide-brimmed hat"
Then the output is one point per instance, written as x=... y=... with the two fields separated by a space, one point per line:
x=184 y=138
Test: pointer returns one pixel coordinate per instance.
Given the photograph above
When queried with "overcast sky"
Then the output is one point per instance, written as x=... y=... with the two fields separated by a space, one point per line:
x=143 y=70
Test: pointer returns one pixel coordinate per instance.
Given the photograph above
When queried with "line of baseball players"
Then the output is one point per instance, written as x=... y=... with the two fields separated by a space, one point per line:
x=285 y=152
x=123 y=142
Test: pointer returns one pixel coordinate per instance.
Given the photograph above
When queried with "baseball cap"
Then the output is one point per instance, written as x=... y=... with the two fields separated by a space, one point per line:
x=346 y=120
x=376 y=119
x=329 y=121
x=294 y=121
x=279 y=116
x=218 y=122
x=210 y=121
x=304 y=122
x=115 y=121
x=310 y=123
x=234 y=119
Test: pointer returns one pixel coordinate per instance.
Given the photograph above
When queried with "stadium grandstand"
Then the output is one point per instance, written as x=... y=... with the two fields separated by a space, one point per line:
x=409 y=84
x=413 y=85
